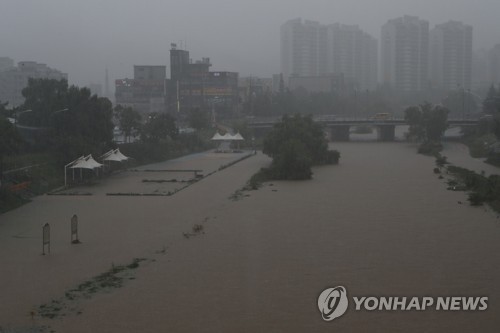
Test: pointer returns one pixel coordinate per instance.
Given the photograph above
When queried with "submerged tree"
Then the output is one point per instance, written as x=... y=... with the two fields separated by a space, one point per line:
x=159 y=127
x=296 y=144
x=427 y=122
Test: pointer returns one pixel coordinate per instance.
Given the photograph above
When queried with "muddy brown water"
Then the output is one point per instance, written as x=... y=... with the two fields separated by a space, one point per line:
x=380 y=223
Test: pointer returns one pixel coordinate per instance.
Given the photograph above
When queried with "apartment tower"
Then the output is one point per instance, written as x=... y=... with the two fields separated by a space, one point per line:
x=451 y=56
x=405 y=54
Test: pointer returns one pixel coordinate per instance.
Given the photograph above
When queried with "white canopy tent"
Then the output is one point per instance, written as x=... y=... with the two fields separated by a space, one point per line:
x=217 y=137
x=238 y=137
x=225 y=141
x=114 y=155
x=87 y=162
x=83 y=162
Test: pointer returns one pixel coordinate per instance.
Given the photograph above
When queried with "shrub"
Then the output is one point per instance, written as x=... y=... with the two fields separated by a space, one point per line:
x=476 y=199
x=430 y=148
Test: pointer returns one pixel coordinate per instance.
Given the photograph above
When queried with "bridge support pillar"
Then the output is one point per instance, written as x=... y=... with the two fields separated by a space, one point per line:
x=340 y=132
x=386 y=132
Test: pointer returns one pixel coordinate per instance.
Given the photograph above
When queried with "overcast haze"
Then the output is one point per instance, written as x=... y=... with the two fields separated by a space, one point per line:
x=81 y=38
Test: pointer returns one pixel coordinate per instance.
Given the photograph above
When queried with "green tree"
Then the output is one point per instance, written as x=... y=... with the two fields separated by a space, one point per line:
x=129 y=119
x=198 y=119
x=293 y=162
x=160 y=127
x=427 y=122
x=295 y=144
x=43 y=97
x=75 y=122
x=86 y=125
x=10 y=141
x=491 y=104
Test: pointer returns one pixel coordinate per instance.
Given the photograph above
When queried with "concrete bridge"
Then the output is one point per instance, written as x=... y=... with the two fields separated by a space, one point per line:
x=339 y=128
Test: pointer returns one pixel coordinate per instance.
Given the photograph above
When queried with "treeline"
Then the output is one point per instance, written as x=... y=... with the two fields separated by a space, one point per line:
x=68 y=121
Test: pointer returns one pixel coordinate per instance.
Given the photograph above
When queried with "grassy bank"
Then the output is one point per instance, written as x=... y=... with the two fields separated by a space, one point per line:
x=28 y=175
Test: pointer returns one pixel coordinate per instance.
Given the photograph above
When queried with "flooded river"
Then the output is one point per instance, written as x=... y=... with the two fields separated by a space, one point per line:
x=380 y=223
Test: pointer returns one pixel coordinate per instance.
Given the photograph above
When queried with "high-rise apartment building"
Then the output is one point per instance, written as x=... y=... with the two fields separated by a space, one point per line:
x=310 y=49
x=303 y=48
x=405 y=54
x=451 y=56
x=353 y=53
x=15 y=79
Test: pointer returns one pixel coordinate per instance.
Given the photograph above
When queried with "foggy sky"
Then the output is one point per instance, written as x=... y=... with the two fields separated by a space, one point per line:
x=82 y=38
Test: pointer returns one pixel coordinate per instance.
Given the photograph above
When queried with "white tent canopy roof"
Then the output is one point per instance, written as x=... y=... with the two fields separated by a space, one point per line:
x=87 y=162
x=238 y=137
x=114 y=155
x=217 y=137
x=75 y=161
x=227 y=137
x=119 y=154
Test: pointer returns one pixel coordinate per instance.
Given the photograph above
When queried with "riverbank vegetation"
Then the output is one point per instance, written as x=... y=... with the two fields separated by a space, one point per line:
x=481 y=189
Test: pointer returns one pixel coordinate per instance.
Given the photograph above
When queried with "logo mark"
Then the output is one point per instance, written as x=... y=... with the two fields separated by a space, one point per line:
x=332 y=303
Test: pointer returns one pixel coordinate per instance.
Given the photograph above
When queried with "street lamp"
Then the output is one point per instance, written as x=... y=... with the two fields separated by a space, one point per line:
x=56 y=112
x=17 y=114
x=463 y=103
x=53 y=114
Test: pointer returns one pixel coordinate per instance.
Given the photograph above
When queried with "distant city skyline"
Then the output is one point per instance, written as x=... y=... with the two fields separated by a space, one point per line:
x=84 y=38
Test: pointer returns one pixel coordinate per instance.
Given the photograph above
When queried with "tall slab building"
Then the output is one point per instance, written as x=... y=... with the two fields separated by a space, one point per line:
x=353 y=53
x=405 y=54
x=303 y=48
x=312 y=50
x=451 y=56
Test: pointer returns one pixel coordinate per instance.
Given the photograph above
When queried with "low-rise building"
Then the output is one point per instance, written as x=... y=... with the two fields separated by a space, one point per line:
x=193 y=86
x=146 y=92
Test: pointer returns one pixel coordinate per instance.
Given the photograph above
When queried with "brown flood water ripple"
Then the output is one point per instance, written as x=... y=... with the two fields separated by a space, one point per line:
x=380 y=224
